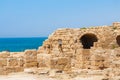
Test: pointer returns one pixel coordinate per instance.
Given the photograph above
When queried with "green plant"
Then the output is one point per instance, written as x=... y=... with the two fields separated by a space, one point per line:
x=114 y=46
x=83 y=28
x=114 y=28
x=92 y=27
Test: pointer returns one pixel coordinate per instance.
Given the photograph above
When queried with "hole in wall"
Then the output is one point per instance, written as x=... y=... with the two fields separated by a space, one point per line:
x=118 y=40
x=59 y=42
x=88 y=40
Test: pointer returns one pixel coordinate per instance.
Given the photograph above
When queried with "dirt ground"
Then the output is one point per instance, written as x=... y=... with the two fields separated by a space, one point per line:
x=26 y=76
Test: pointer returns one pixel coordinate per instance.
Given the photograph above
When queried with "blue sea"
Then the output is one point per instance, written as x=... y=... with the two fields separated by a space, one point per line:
x=20 y=44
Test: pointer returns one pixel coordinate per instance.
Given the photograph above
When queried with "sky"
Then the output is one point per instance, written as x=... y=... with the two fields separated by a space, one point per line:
x=39 y=18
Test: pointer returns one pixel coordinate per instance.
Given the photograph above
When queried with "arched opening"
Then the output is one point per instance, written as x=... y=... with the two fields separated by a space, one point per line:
x=118 y=40
x=88 y=40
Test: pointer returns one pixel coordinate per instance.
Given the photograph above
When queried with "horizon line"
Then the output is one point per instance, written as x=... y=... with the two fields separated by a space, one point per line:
x=26 y=37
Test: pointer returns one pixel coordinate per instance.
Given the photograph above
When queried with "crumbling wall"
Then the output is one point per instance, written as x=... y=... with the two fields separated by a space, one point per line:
x=73 y=44
x=9 y=64
x=44 y=60
x=66 y=49
x=30 y=58
x=61 y=64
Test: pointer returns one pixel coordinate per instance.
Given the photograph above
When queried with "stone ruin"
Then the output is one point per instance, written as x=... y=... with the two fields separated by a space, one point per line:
x=67 y=50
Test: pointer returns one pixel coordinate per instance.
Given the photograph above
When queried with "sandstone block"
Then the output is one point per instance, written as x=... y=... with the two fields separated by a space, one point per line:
x=52 y=73
x=30 y=53
x=97 y=58
x=30 y=58
x=62 y=60
x=43 y=70
x=3 y=62
x=31 y=64
x=32 y=70
x=4 y=54
x=14 y=69
x=12 y=62
x=21 y=62
x=61 y=63
x=44 y=60
x=3 y=71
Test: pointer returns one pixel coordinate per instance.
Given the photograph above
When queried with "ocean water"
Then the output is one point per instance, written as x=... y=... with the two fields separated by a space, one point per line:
x=20 y=44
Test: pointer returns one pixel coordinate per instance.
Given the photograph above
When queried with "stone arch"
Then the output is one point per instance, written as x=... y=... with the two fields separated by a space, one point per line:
x=88 y=40
x=118 y=40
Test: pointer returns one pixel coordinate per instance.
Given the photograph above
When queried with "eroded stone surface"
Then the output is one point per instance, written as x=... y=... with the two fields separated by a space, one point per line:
x=69 y=50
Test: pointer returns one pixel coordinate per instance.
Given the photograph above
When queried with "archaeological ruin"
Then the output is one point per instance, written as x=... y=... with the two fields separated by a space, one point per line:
x=67 y=50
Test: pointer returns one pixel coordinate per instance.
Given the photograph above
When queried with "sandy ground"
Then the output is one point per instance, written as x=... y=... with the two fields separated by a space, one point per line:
x=25 y=76
x=18 y=76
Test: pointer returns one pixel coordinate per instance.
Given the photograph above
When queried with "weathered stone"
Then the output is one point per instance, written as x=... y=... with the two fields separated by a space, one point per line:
x=52 y=73
x=94 y=48
x=60 y=63
x=31 y=70
x=43 y=70
x=31 y=64
x=3 y=71
x=30 y=58
x=44 y=60
x=30 y=55
x=10 y=69
x=3 y=62
x=12 y=62
x=4 y=54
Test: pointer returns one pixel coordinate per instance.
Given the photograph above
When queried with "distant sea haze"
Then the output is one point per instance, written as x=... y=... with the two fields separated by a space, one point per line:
x=20 y=44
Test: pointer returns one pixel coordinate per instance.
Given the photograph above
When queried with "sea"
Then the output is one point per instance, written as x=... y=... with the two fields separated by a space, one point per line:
x=20 y=44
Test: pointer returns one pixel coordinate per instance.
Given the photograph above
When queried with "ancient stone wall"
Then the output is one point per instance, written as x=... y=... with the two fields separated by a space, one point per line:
x=82 y=45
x=10 y=63
x=95 y=48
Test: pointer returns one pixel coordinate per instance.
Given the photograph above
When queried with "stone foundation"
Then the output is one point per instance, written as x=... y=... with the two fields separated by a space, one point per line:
x=94 y=48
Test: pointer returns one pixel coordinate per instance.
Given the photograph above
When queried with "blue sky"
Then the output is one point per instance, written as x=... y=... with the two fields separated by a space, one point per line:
x=35 y=18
